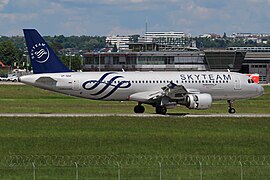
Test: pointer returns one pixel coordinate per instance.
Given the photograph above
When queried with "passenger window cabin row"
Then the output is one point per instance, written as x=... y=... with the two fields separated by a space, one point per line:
x=177 y=82
x=165 y=82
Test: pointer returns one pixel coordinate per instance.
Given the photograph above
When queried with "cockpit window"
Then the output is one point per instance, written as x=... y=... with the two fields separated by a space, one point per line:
x=250 y=81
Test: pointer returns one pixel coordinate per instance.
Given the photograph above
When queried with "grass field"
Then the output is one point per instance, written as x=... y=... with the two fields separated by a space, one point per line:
x=125 y=136
x=26 y=99
x=129 y=136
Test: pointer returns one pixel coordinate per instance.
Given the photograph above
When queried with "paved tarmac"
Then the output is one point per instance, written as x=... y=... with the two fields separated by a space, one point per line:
x=131 y=115
x=11 y=83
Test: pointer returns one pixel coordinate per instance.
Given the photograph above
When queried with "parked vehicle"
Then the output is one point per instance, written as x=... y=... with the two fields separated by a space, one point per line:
x=9 y=77
x=3 y=78
x=12 y=78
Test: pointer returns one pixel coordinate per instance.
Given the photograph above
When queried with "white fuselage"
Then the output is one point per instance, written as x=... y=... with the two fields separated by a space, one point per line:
x=120 y=85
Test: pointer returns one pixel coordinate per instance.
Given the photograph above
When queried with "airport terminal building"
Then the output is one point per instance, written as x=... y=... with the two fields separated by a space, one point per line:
x=159 y=57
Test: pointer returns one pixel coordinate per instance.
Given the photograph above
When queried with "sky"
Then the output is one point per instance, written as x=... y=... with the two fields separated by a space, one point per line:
x=127 y=17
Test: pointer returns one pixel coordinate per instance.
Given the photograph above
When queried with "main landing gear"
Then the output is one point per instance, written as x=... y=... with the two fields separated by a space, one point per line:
x=161 y=110
x=231 y=109
x=139 y=108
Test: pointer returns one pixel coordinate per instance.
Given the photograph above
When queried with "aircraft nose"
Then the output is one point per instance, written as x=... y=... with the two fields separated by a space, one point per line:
x=260 y=90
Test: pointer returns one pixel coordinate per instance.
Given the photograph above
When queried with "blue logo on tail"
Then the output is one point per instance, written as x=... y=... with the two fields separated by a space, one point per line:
x=98 y=87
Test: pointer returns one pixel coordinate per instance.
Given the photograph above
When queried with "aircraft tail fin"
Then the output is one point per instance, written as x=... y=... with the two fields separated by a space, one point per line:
x=42 y=57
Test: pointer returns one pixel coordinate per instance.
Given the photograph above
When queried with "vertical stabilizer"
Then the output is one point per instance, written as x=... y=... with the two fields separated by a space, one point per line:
x=42 y=57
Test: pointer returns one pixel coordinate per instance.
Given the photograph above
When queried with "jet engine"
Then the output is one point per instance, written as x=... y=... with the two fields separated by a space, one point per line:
x=198 y=101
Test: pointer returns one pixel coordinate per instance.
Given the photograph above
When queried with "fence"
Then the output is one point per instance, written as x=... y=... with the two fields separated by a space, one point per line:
x=135 y=167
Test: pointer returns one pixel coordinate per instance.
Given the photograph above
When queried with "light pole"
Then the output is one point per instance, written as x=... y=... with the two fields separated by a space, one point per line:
x=98 y=60
x=69 y=61
x=27 y=61
x=70 y=55
x=81 y=61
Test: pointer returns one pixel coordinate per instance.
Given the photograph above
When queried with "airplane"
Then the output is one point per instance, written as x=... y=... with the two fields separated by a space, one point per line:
x=162 y=90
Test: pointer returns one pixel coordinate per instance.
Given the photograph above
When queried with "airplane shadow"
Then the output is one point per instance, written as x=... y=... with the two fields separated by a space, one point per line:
x=177 y=114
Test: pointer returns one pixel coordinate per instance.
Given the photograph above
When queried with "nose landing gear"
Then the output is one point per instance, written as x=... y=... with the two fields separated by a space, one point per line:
x=231 y=110
x=139 y=108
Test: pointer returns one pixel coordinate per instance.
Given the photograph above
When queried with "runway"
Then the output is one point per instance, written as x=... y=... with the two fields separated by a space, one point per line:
x=131 y=115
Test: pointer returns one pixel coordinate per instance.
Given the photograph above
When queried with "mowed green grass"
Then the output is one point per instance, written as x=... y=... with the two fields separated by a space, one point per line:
x=125 y=135
x=161 y=136
x=132 y=135
x=27 y=99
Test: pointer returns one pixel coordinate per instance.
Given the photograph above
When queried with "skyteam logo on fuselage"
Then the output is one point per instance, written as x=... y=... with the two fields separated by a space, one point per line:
x=40 y=53
x=106 y=85
x=201 y=77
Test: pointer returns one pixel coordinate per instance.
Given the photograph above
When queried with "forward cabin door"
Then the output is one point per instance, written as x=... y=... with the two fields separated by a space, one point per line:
x=237 y=83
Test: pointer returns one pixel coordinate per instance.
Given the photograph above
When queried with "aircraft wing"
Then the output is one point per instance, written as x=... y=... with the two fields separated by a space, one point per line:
x=170 y=92
x=145 y=97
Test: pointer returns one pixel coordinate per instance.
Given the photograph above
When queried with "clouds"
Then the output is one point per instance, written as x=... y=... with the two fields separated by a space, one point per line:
x=103 y=17
x=221 y=16
x=3 y=3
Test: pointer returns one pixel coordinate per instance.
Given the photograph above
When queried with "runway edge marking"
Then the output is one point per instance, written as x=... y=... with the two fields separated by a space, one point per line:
x=129 y=115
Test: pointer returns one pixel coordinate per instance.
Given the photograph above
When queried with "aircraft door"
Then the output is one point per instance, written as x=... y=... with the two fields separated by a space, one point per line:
x=237 y=83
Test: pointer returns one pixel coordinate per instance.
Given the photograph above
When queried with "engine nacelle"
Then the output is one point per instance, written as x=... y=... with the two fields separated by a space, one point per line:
x=198 y=101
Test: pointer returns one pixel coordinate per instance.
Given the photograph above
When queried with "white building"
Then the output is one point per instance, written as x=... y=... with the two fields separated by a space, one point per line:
x=172 y=38
x=250 y=35
x=210 y=35
x=120 y=41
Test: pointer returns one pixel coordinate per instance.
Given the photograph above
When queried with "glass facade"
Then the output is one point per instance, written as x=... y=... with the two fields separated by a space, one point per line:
x=224 y=59
x=145 y=60
x=215 y=60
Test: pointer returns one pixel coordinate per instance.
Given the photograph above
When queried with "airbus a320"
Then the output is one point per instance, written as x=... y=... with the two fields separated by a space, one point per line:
x=162 y=90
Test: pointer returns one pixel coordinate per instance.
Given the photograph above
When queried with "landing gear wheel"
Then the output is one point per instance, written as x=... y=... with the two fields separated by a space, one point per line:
x=139 y=109
x=231 y=110
x=161 y=110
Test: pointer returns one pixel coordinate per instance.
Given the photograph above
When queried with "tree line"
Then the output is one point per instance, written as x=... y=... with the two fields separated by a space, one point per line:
x=13 y=49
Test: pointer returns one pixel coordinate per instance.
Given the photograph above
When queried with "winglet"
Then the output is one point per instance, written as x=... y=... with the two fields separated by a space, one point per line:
x=43 y=58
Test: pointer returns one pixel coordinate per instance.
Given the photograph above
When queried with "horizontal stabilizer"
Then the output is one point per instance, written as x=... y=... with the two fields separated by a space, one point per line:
x=47 y=81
